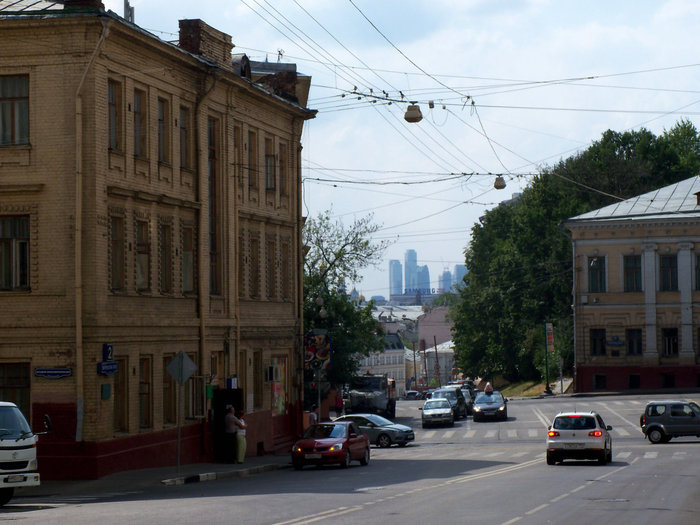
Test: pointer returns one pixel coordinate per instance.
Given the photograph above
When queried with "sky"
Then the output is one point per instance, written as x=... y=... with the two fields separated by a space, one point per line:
x=505 y=88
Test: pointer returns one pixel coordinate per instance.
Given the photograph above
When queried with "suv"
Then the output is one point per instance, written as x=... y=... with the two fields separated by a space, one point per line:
x=456 y=398
x=663 y=420
x=579 y=435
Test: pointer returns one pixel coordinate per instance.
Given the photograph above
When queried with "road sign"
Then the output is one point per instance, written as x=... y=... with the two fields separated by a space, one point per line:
x=181 y=367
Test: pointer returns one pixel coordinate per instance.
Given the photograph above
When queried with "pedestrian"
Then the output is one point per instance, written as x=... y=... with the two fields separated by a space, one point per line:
x=231 y=432
x=241 y=441
x=313 y=417
x=338 y=404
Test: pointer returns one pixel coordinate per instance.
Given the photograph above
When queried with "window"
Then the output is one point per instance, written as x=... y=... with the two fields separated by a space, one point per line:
x=185 y=150
x=634 y=381
x=116 y=235
x=163 y=131
x=15 y=385
x=283 y=183
x=121 y=396
x=187 y=260
x=14 y=253
x=254 y=287
x=252 y=160
x=669 y=342
x=697 y=272
x=214 y=255
x=166 y=258
x=14 y=110
x=668 y=380
x=270 y=174
x=600 y=382
x=633 y=273
x=633 y=336
x=270 y=261
x=169 y=393
x=140 y=123
x=285 y=270
x=114 y=115
x=238 y=156
x=241 y=265
x=596 y=274
x=257 y=380
x=669 y=273
x=145 y=404
x=143 y=257
x=597 y=341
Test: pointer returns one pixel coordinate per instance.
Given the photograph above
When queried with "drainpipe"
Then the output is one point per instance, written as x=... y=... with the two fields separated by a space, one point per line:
x=78 y=237
x=299 y=335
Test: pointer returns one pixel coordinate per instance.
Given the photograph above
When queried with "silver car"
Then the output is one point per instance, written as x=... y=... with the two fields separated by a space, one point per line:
x=380 y=430
x=437 y=411
x=579 y=435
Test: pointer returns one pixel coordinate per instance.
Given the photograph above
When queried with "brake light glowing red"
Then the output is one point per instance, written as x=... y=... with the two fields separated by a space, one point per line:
x=595 y=433
x=553 y=433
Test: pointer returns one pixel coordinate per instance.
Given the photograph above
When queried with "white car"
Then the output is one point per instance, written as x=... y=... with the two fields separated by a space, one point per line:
x=579 y=435
x=437 y=411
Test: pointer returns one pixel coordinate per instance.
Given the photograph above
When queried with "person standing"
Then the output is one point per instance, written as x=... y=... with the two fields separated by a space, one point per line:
x=231 y=431
x=313 y=417
x=241 y=440
x=338 y=404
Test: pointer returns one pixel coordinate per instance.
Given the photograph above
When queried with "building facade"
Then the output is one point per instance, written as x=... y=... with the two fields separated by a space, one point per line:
x=149 y=215
x=395 y=277
x=637 y=292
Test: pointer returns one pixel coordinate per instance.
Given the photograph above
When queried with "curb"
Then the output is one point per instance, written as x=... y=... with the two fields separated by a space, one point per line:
x=211 y=476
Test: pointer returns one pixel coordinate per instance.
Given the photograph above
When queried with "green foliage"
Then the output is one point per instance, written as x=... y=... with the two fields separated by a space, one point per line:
x=519 y=258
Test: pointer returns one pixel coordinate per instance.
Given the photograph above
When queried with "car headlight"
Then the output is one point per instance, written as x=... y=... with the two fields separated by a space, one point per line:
x=477 y=409
x=501 y=409
x=336 y=447
x=296 y=448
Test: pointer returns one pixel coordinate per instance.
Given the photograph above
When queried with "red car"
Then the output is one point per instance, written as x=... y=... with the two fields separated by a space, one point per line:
x=331 y=443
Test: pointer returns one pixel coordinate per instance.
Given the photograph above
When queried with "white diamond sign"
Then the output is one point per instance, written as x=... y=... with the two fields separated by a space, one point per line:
x=181 y=367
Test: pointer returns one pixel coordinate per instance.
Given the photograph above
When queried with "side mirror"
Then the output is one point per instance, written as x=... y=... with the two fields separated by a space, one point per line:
x=420 y=408
x=609 y=427
x=47 y=426
x=353 y=435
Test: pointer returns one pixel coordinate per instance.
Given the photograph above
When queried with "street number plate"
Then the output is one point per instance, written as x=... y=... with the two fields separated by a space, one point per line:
x=313 y=456
x=16 y=479
x=573 y=445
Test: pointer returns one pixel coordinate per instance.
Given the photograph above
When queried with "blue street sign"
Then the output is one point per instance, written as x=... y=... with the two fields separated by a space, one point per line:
x=53 y=373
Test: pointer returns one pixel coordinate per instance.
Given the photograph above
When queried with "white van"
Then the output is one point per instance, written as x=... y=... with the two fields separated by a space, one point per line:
x=18 y=465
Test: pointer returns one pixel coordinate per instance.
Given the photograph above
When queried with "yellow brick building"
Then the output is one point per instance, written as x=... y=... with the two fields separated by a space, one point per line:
x=149 y=205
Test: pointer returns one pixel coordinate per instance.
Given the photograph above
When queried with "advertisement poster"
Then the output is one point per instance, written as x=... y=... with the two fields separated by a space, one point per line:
x=317 y=352
x=279 y=395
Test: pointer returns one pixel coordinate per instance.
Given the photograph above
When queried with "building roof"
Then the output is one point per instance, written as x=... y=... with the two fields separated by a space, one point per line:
x=681 y=200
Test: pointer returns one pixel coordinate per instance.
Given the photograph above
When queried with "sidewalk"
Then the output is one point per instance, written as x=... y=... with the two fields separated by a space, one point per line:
x=140 y=479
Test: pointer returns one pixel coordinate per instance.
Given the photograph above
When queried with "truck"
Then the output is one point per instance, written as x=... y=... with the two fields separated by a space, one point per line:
x=372 y=393
x=18 y=464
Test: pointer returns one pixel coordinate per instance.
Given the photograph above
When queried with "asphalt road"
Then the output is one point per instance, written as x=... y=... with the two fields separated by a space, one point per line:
x=486 y=473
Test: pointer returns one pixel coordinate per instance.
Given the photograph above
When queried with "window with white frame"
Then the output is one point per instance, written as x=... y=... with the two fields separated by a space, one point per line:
x=14 y=110
x=14 y=252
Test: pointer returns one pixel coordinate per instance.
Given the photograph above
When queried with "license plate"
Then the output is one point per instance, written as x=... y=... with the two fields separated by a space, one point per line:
x=16 y=478
x=573 y=445
x=312 y=456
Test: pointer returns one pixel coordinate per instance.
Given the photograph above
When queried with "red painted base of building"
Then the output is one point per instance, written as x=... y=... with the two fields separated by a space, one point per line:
x=592 y=378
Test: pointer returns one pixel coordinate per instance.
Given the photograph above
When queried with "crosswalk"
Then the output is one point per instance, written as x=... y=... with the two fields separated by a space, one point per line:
x=502 y=434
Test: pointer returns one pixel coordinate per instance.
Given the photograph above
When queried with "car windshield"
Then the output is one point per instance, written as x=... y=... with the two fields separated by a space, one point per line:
x=379 y=420
x=574 y=422
x=445 y=394
x=489 y=398
x=325 y=431
x=12 y=423
x=367 y=383
x=695 y=407
x=438 y=403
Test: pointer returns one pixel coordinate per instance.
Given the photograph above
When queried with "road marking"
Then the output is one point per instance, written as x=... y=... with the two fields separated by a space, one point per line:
x=623 y=455
x=540 y=415
x=490 y=434
x=448 y=434
x=519 y=454
x=429 y=434
x=622 y=431
x=537 y=509
x=492 y=454
x=533 y=433
x=509 y=522
x=470 y=434
x=678 y=455
x=558 y=498
x=512 y=433
x=650 y=455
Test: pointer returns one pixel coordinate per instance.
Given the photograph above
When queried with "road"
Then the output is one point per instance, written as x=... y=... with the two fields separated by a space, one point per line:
x=486 y=473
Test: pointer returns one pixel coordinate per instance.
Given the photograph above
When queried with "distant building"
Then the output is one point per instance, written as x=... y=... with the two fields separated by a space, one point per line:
x=410 y=271
x=390 y=362
x=636 y=290
x=445 y=282
x=458 y=275
x=424 y=286
x=395 y=277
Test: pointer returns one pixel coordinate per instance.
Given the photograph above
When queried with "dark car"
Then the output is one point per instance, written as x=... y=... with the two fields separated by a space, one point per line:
x=380 y=430
x=412 y=394
x=331 y=443
x=469 y=396
x=456 y=398
x=490 y=406
x=663 y=420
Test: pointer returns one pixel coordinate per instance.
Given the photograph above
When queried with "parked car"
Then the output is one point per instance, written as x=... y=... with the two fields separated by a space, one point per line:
x=455 y=397
x=328 y=443
x=412 y=394
x=469 y=396
x=663 y=420
x=380 y=430
x=437 y=411
x=493 y=406
x=579 y=435
x=429 y=393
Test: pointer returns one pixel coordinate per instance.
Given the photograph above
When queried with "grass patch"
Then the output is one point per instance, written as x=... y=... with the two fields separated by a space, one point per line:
x=523 y=389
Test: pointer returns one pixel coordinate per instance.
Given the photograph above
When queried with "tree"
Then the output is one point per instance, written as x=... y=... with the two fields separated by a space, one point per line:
x=335 y=255
x=519 y=257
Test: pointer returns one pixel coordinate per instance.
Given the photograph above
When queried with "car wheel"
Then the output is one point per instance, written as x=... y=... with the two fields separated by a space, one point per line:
x=346 y=461
x=383 y=441
x=602 y=459
x=656 y=435
x=452 y=423
x=551 y=460
x=609 y=456
x=298 y=465
x=666 y=439
x=6 y=495
x=365 y=458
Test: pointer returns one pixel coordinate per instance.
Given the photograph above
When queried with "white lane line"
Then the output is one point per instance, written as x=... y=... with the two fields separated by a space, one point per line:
x=448 y=434
x=622 y=431
x=510 y=522
x=519 y=454
x=429 y=434
x=470 y=434
x=512 y=433
x=678 y=455
x=492 y=454
x=490 y=434
x=537 y=509
x=650 y=455
x=532 y=432
x=623 y=455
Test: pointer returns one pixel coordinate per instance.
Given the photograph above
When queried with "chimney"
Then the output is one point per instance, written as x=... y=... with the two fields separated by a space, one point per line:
x=201 y=39
x=82 y=5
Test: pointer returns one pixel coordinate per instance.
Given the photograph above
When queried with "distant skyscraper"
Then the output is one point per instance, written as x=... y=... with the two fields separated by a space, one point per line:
x=410 y=271
x=424 y=280
x=395 y=277
x=459 y=273
x=445 y=281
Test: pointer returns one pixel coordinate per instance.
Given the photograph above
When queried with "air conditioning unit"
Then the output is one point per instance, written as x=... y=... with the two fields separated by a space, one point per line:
x=584 y=299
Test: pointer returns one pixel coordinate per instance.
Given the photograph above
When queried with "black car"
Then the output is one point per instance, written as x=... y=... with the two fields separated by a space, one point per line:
x=456 y=398
x=492 y=406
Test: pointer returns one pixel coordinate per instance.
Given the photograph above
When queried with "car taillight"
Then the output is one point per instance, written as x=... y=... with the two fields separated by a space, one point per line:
x=553 y=433
x=595 y=433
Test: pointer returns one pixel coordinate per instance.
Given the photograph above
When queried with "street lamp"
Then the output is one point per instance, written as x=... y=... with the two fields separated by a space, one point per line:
x=413 y=113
